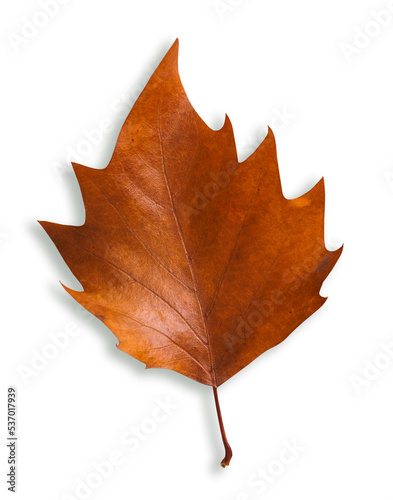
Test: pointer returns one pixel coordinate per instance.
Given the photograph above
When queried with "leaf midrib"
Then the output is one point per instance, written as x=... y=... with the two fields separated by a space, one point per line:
x=188 y=257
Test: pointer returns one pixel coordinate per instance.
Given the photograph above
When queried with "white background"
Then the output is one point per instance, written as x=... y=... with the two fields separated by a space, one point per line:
x=276 y=62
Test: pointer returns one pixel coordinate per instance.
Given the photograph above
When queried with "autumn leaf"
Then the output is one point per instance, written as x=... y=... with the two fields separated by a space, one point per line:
x=196 y=262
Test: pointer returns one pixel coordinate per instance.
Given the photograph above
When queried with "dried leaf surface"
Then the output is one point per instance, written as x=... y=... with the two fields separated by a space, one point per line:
x=196 y=262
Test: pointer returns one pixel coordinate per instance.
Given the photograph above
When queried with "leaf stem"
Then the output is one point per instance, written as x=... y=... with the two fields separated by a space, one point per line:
x=228 y=451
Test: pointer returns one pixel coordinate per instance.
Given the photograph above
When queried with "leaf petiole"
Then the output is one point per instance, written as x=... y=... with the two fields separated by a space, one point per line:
x=228 y=451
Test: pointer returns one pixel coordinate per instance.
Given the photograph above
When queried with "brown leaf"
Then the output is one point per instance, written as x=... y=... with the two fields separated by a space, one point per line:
x=196 y=262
